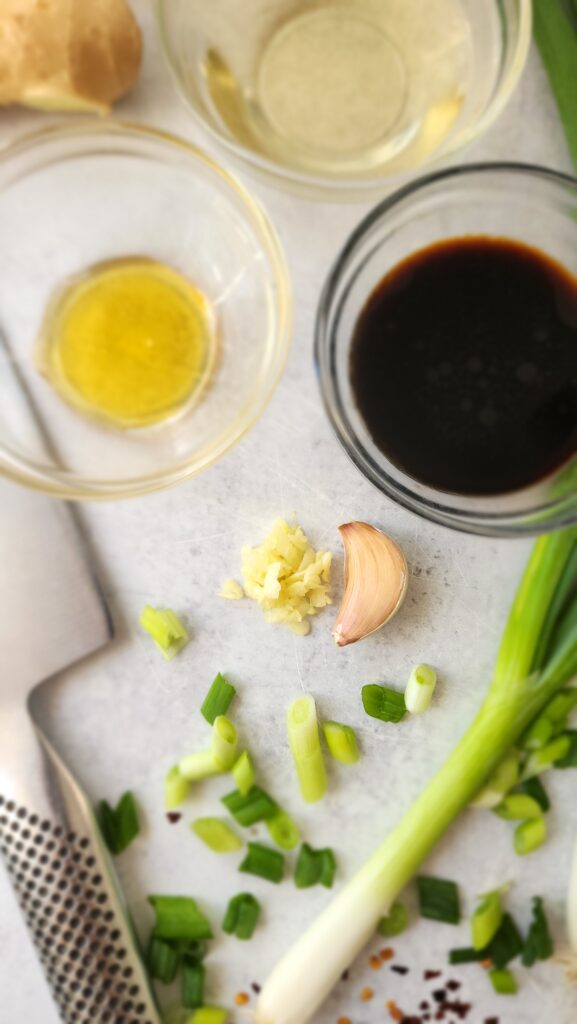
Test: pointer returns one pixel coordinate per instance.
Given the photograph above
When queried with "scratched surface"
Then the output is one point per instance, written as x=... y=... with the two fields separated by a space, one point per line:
x=125 y=717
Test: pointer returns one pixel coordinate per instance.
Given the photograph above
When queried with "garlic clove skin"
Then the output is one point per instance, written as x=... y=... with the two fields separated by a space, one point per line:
x=376 y=579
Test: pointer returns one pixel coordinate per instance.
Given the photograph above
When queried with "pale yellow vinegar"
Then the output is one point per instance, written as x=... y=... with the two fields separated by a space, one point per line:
x=130 y=342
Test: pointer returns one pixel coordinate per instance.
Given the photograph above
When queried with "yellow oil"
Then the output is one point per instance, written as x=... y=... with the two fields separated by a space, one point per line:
x=130 y=342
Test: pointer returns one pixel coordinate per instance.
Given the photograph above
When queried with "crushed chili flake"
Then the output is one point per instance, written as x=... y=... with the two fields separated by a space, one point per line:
x=399 y=969
x=376 y=963
x=255 y=987
x=429 y=975
x=453 y=985
x=173 y=817
x=440 y=995
x=367 y=994
x=387 y=954
x=242 y=998
x=492 y=1020
x=394 y=1011
x=344 y=1020
x=424 y=1005
x=486 y=964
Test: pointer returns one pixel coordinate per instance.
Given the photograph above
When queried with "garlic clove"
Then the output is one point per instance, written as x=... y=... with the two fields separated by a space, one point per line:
x=376 y=578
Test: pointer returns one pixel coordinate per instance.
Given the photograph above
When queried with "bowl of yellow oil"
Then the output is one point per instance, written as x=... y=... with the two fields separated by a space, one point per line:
x=345 y=98
x=144 y=310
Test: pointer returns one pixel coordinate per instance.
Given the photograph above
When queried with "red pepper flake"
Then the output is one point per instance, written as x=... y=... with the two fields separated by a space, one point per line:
x=173 y=817
x=242 y=998
x=486 y=964
x=440 y=995
x=394 y=1011
x=453 y=985
x=492 y=1020
x=367 y=994
x=399 y=969
x=255 y=987
x=429 y=975
x=376 y=963
x=344 y=1020
x=387 y=954
x=424 y=1005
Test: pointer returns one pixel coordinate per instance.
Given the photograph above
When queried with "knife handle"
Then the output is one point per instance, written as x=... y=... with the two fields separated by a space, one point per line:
x=72 y=903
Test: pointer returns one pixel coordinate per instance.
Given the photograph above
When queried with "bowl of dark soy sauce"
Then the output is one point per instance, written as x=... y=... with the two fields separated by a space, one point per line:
x=446 y=348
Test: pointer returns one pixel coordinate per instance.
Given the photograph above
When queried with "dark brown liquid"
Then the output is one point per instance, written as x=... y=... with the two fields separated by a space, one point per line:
x=464 y=366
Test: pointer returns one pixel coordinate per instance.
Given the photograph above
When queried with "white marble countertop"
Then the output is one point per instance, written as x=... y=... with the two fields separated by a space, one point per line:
x=123 y=718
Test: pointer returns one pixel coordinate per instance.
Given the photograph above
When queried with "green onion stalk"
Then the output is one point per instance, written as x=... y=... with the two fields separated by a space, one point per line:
x=537 y=656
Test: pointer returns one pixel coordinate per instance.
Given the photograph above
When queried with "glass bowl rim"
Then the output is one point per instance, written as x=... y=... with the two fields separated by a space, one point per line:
x=557 y=514
x=74 y=486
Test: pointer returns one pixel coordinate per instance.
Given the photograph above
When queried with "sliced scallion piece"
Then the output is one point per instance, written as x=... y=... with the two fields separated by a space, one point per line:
x=503 y=981
x=247 y=810
x=539 y=733
x=176 y=788
x=506 y=944
x=303 y=734
x=538 y=944
x=501 y=780
x=263 y=862
x=535 y=789
x=559 y=709
x=438 y=899
x=420 y=688
x=465 y=955
x=119 y=825
x=224 y=743
x=518 y=807
x=314 y=867
x=192 y=992
x=341 y=741
x=165 y=628
x=201 y=765
x=283 y=831
x=178 y=917
x=162 y=961
x=569 y=760
x=209 y=1015
x=487 y=919
x=218 y=699
x=243 y=773
x=395 y=922
x=242 y=916
x=217 y=835
x=545 y=758
x=529 y=836
x=383 y=703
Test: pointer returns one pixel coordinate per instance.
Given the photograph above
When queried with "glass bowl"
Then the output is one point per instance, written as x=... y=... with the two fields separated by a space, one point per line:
x=528 y=204
x=75 y=196
x=345 y=99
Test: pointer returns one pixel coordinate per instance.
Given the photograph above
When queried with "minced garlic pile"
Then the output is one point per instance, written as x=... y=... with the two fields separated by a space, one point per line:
x=286 y=576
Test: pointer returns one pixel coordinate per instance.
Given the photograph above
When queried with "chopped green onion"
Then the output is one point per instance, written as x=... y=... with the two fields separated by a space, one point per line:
x=420 y=688
x=570 y=758
x=538 y=944
x=201 y=765
x=529 y=836
x=176 y=788
x=283 y=831
x=165 y=628
x=263 y=862
x=487 y=919
x=224 y=743
x=506 y=944
x=247 y=810
x=217 y=835
x=554 y=31
x=243 y=773
x=341 y=741
x=559 y=709
x=503 y=981
x=191 y=950
x=395 y=922
x=218 y=699
x=383 y=703
x=466 y=955
x=543 y=759
x=119 y=825
x=314 y=867
x=192 y=985
x=539 y=733
x=241 y=916
x=162 y=961
x=209 y=1015
x=518 y=807
x=534 y=787
x=178 y=917
x=438 y=899
x=303 y=733
x=501 y=780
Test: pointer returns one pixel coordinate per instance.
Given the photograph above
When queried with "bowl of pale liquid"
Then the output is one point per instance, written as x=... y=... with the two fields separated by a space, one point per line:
x=345 y=98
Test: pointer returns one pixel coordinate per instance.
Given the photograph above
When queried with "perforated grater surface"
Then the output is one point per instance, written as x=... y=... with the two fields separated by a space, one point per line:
x=50 y=616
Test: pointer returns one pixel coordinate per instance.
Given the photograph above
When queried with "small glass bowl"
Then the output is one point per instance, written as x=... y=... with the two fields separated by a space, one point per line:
x=528 y=204
x=74 y=196
x=344 y=100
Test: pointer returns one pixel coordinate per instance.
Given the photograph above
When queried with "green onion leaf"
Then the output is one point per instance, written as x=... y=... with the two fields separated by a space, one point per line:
x=165 y=628
x=162 y=961
x=243 y=773
x=438 y=899
x=178 y=917
x=466 y=955
x=545 y=758
x=263 y=862
x=176 y=788
x=217 y=835
x=538 y=944
x=119 y=825
x=503 y=981
x=192 y=992
x=209 y=1015
x=303 y=734
x=201 y=765
x=420 y=688
x=395 y=922
x=283 y=831
x=224 y=743
x=218 y=699
x=506 y=944
x=383 y=703
x=518 y=807
x=534 y=788
x=314 y=867
x=242 y=916
x=529 y=836
x=555 y=31
x=247 y=810
x=570 y=758
x=341 y=741
x=487 y=919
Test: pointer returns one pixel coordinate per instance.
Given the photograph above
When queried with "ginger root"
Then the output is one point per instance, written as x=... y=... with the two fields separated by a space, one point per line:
x=78 y=55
